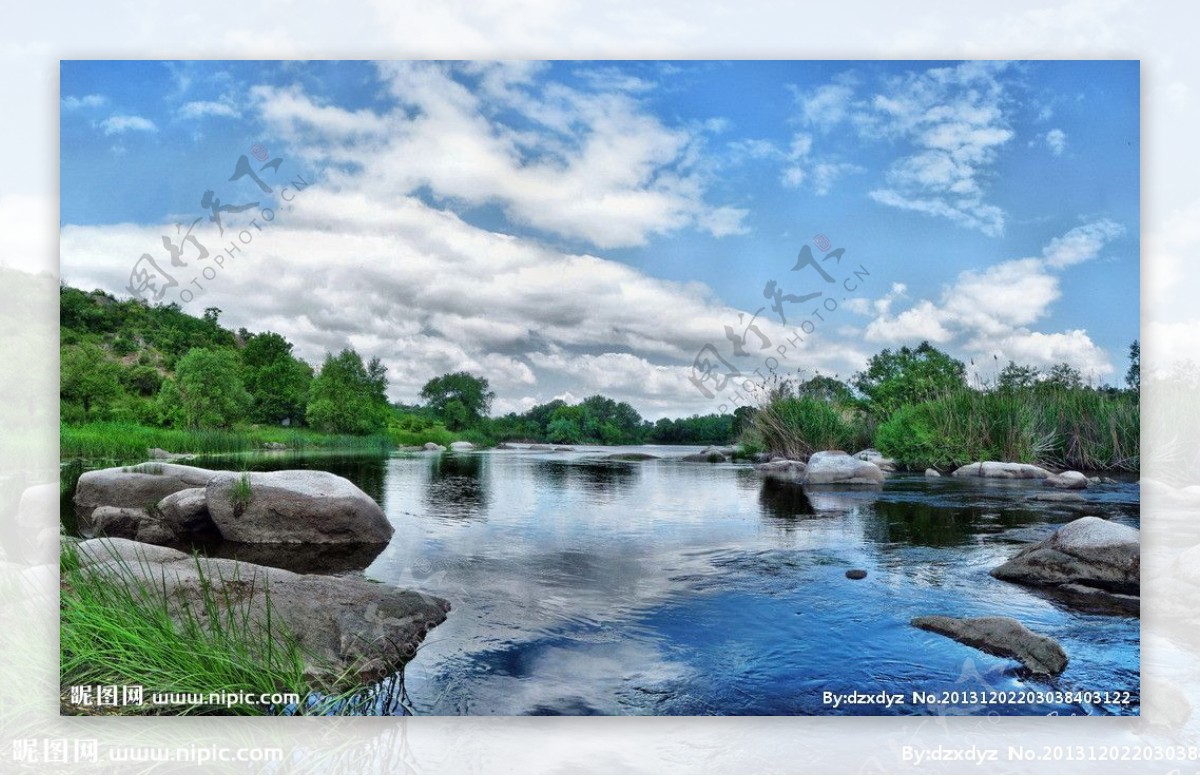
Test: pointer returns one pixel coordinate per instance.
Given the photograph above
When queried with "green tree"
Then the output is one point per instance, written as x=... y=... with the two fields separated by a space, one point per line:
x=1133 y=377
x=893 y=379
x=1015 y=377
x=459 y=399
x=1063 y=377
x=348 y=397
x=278 y=382
x=88 y=380
x=206 y=391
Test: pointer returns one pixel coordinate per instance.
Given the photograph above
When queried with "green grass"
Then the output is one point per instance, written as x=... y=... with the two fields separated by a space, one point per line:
x=117 y=628
x=130 y=441
x=1080 y=428
x=796 y=427
x=240 y=494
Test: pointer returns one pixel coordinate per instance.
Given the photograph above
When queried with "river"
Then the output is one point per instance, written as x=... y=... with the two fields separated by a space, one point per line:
x=584 y=585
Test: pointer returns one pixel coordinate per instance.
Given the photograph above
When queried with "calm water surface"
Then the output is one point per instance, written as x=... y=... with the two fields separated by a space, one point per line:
x=582 y=585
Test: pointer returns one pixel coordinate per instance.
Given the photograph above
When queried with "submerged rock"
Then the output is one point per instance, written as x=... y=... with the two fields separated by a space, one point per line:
x=1068 y=481
x=349 y=625
x=137 y=487
x=834 y=467
x=1002 y=471
x=782 y=470
x=1001 y=636
x=1090 y=551
x=299 y=506
x=1059 y=497
x=705 y=457
x=631 y=457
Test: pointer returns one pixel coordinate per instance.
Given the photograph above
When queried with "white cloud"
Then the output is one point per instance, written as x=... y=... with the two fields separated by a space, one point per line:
x=954 y=121
x=86 y=101
x=201 y=108
x=1083 y=243
x=988 y=315
x=119 y=124
x=1056 y=139
x=583 y=164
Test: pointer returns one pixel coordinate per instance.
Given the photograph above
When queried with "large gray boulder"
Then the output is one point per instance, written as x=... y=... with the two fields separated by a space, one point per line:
x=782 y=470
x=462 y=446
x=294 y=507
x=349 y=626
x=834 y=467
x=1090 y=551
x=141 y=525
x=1001 y=470
x=932 y=473
x=137 y=487
x=186 y=513
x=1001 y=636
x=434 y=447
x=1068 y=480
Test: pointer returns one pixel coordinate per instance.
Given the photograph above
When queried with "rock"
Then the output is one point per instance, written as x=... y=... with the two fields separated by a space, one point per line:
x=540 y=448
x=1089 y=551
x=461 y=447
x=1068 y=481
x=874 y=456
x=298 y=506
x=139 y=487
x=410 y=449
x=632 y=457
x=1061 y=497
x=564 y=449
x=724 y=452
x=129 y=523
x=705 y=457
x=932 y=473
x=783 y=470
x=1001 y=636
x=505 y=446
x=186 y=513
x=434 y=447
x=1002 y=471
x=760 y=458
x=856 y=574
x=274 y=446
x=350 y=626
x=774 y=458
x=159 y=454
x=834 y=467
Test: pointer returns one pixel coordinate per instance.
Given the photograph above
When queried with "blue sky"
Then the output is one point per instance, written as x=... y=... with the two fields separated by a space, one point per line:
x=569 y=228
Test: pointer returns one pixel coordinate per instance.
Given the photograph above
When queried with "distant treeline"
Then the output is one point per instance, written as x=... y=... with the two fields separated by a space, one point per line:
x=127 y=364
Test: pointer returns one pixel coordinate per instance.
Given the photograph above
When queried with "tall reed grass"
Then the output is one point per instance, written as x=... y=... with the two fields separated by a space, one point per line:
x=1075 y=428
x=796 y=427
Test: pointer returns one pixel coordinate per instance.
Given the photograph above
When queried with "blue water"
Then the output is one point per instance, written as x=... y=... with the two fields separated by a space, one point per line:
x=582 y=585
x=589 y=586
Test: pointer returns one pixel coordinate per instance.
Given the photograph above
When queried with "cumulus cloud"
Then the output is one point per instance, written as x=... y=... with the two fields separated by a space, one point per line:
x=120 y=124
x=430 y=293
x=587 y=164
x=992 y=312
